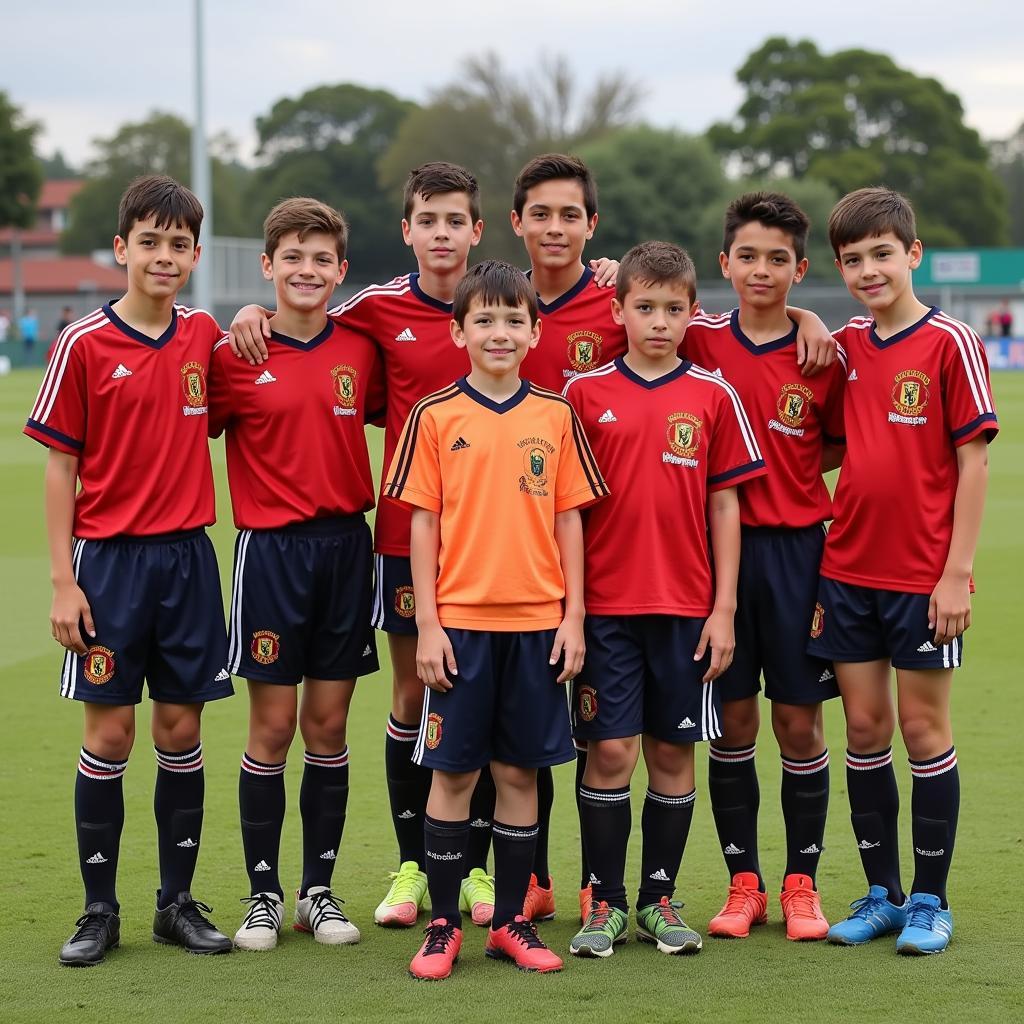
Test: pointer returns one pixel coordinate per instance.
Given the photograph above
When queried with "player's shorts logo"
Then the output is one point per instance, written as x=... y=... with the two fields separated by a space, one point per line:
x=434 y=724
x=536 y=452
x=910 y=392
x=193 y=384
x=794 y=404
x=584 y=350
x=405 y=602
x=684 y=434
x=817 y=622
x=266 y=646
x=345 y=385
x=586 y=701
x=99 y=665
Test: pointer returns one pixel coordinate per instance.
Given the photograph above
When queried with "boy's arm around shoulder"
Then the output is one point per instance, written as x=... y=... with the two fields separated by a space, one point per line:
x=815 y=346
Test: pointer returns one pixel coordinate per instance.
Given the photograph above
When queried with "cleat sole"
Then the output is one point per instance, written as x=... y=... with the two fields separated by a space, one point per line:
x=497 y=954
x=688 y=948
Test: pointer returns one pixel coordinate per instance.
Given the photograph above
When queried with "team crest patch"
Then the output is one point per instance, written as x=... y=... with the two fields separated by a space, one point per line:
x=584 y=350
x=910 y=394
x=536 y=453
x=405 y=602
x=99 y=665
x=345 y=387
x=684 y=434
x=193 y=386
x=434 y=730
x=794 y=404
x=586 y=701
x=817 y=622
x=266 y=646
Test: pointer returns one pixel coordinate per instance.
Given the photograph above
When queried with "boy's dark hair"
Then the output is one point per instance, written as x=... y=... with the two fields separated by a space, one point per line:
x=773 y=210
x=656 y=263
x=497 y=282
x=156 y=195
x=555 y=167
x=304 y=216
x=870 y=212
x=439 y=177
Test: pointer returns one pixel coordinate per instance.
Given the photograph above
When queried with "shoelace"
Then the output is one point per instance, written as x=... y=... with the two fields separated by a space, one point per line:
x=668 y=911
x=866 y=906
x=922 y=916
x=736 y=900
x=90 y=926
x=800 y=903
x=262 y=913
x=403 y=888
x=193 y=910
x=325 y=908
x=526 y=933
x=438 y=937
x=598 y=918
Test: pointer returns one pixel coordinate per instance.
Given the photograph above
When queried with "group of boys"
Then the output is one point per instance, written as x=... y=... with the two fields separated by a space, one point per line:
x=693 y=438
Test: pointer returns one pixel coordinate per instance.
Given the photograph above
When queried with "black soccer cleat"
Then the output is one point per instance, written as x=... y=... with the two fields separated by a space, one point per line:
x=99 y=929
x=182 y=924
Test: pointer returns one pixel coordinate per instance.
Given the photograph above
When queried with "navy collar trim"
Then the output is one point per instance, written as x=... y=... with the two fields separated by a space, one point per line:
x=547 y=308
x=499 y=407
x=900 y=335
x=768 y=346
x=135 y=335
x=304 y=346
x=650 y=385
x=428 y=300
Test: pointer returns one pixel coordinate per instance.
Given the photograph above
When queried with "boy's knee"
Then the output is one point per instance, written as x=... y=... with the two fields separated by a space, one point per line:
x=610 y=759
x=867 y=732
x=799 y=734
x=741 y=720
x=176 y=726
x=925 y=735
x=110 y=737
x=326 y=729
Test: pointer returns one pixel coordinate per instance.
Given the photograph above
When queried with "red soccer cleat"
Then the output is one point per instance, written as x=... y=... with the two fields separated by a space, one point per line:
x=519 y=943
x=801 y=907
x=438 y=953
x=539 y=904
x=586 y=903
x=746 y=906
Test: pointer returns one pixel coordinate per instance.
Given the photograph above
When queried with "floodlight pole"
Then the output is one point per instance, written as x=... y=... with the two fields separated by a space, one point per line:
x=202 y=278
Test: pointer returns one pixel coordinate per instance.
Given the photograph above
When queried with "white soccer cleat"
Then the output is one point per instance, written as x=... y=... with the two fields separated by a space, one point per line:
x=262 y=923
x=320 y=914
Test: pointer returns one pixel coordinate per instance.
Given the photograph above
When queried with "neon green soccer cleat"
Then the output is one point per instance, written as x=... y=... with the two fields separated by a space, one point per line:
x=402 y=905
x=476 y=896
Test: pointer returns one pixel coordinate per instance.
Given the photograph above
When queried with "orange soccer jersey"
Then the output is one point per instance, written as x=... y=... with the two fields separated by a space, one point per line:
x=497 y=474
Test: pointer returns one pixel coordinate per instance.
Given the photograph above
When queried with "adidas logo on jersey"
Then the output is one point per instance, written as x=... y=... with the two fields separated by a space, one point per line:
x=686 y=723
x=188 y=844
x=853 y=375
x=460 y=443
x=927 y=648
x=266 y=377
x=121 y=371
x=262 y=866
x=865 y=845
x=813 y=848
x=222 y=675
x=406 y=815
x=732 y=849
x=406 y=335
x=96 y=858
x=660 y=876
x=717 y=371
x=826 y=676
x=607 y=417
x=329 y=855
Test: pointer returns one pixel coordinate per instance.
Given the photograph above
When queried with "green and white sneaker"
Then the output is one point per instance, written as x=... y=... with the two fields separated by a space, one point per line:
x=476 y=896
x=603 y=930
x=404 y=901
x=661 y=924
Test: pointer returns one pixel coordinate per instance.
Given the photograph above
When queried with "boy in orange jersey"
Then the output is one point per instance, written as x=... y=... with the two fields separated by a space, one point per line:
x=493 y=456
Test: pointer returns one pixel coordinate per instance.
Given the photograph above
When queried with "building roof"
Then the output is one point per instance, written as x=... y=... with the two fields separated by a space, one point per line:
x=57 y=195
x=65 y=275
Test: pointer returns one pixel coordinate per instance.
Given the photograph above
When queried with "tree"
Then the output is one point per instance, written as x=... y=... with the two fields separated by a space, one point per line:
x=327 y=143
x=56 y=168
x=492 y=122
x=21 y=176
x=158 y=145
x=1008 y=163
x=856 y=118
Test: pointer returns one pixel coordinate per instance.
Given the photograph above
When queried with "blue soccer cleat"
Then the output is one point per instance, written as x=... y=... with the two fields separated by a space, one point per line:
x=928 y=929
x=873 y=916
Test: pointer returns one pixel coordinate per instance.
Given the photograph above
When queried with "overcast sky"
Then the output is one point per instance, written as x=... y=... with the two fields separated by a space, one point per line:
x=84 y=69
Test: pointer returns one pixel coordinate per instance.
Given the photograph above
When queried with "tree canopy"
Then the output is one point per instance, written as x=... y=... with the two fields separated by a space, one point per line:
x=21 y=176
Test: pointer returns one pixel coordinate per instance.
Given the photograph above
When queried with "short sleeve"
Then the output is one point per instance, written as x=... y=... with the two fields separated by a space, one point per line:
x=733 y=454
x=59 y=415
x=219 y=389
x=967 y=392
x=414 y=477
x=578 y=481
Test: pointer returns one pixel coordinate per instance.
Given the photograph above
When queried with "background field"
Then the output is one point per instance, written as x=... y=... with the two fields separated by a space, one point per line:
x=762 y=977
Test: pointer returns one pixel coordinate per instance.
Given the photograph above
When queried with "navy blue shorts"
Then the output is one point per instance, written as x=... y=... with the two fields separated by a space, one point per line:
x=778 y=585
x=640 y=677
x=852 y=623
x=157 y=608
x=394 y=607
x=505 y=705
x=300 y=602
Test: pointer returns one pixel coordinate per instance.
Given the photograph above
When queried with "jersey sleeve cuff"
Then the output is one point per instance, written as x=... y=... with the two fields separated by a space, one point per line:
x=411 y=498
x=583 y=498
x=736 y=476
x=985 y=424
x=53 y=438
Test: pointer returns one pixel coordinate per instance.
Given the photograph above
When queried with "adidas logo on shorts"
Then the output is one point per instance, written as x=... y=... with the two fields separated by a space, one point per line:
x=329 y=855
x=660 y=876
x=405 y=335
x=262 y=866
x=732 y=849
x=96 y=858
x=826 y=676
x=367 y=651
x=927 y=648
x=686 y=723
x=188 y=844
x=222 y=675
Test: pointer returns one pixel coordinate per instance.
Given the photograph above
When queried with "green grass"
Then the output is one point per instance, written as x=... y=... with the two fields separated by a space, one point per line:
x=750 y=980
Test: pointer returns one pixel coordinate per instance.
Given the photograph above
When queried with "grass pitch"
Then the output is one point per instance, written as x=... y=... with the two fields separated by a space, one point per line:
x=762 y=977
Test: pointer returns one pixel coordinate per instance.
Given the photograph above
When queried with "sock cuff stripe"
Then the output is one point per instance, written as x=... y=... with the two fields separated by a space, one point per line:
x=604 y=796
x=101 y=772
x=936 y=766
x=732 y=755
x=327 y=760
x=401 y=732
x=444 y=828
x=517 y=833
x=868 y=762
x=99 y=764
x=672 y=801
x=807 y=767
x=180 y=764
x=180 y=755
x=254 y=767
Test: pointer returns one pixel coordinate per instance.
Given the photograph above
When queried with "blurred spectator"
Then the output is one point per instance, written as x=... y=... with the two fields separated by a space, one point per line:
x=1003 y=318
x=5 y=325
x=66 y=318
x=28 y=327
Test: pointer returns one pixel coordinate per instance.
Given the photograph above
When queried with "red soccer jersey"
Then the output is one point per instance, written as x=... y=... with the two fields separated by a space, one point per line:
x=296 y=445
x=577 y=334
x=413 y=332
x=911 y=400
x=133 y=409
x=793 y=417
x=662 y=445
